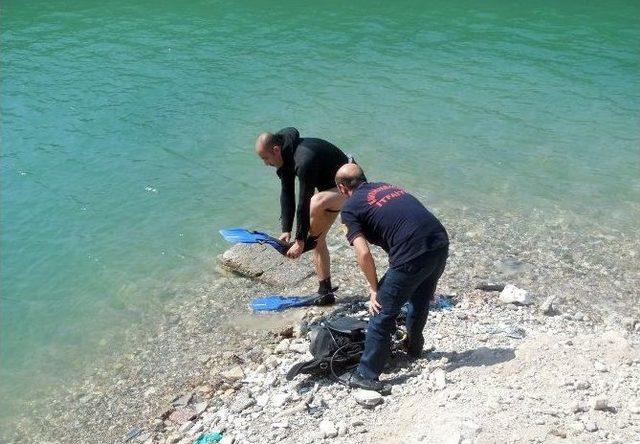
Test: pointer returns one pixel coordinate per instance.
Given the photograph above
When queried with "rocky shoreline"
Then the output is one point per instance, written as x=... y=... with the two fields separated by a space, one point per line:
x=565 y=367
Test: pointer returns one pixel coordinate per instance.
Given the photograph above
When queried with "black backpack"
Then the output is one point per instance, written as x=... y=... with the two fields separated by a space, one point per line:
x=336 y=347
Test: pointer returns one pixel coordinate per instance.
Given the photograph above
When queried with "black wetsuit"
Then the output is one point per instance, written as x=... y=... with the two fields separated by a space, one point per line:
x=315 y=163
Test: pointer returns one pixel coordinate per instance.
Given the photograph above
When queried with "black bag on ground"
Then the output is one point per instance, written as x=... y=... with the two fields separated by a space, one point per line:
x=336 y=346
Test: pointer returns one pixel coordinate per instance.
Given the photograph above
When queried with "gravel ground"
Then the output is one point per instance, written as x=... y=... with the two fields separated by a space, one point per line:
x=498 y=372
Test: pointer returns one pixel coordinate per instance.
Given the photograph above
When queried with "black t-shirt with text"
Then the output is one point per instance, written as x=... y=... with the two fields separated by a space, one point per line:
x=393 y=219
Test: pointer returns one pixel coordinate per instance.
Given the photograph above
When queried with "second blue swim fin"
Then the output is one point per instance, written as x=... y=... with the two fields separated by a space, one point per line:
x=242 y=235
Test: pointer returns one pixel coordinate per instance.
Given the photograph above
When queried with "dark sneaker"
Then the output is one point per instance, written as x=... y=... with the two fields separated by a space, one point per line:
x=359 y=381
x=325 y=299
x=413 y=352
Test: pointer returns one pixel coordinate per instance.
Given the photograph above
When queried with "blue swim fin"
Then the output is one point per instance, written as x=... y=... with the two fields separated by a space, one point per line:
x=242 y=235
x=278 y=303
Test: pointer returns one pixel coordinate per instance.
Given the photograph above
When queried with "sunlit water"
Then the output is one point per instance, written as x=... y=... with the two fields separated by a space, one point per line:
x=127 y=133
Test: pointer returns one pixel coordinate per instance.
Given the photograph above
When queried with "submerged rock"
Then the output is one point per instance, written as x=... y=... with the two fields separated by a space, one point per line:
x=263 y=263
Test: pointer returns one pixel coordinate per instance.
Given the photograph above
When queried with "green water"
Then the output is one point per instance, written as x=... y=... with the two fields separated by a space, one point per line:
x=127 y=134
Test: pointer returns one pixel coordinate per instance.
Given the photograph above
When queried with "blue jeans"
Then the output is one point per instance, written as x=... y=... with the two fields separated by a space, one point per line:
x=414 y=282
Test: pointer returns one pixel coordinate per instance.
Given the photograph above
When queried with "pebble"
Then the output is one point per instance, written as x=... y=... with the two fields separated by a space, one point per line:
x=180 y=416
x=514 y=295
x=299 y=347
x=591 y=426
x=280 y=399
x=228 y=439
x=242 y=402
x=282 y=347
x=547 y=307
x=185 y=426
x=328 y=429
x=438 y=378
x=201 y=407
x=582 y=385
x=599 y=366
x=600 y=403
x=634 y=407
x=367 y=398
x=234 y=374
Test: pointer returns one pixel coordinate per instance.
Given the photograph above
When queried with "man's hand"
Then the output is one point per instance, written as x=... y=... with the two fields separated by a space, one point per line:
x=296 y=249
x=374 y=305
x=285 y=237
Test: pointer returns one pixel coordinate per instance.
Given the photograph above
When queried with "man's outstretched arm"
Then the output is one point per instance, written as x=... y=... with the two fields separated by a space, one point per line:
x=287 y=204
x=368 y=267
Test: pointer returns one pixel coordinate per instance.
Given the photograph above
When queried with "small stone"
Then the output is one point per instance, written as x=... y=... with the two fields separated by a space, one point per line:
x=300 y=329
x=514 y=295
x=183 y=400
x=180 y=416
x=282 y=347
x=134 y=432
x=185 y=426
x=298 y=347
x=287 y=332
x=578 y=316
x=262 y=400
x=599 y=366
x=150 y=391
x=470 y=429
x=242 y=402
x=582 y=385
x=201 y=407
x=234 y=374
x=577 y=427
x=284 y=424
x=547 y=307
x=438 y=378
x=367 y=398
x=600 y=403
x=634 y=407
x=577 y=408
x=228 y=439
x=558 y=432
x=280 y=399
x=591 y=426
x=328 y=429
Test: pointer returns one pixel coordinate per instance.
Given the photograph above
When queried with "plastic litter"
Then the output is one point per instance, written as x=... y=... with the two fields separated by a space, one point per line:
x=209 y=438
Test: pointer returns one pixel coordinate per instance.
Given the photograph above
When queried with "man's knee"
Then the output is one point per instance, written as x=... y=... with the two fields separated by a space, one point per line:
x=318 y=203
x=383 y=323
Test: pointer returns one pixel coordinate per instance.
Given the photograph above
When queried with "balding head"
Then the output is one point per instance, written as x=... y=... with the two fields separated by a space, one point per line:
x=349 y=177
x=269 y=148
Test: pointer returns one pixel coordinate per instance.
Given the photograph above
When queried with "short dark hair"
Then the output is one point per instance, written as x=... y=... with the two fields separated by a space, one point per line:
x=352 y=182
x=273 y=139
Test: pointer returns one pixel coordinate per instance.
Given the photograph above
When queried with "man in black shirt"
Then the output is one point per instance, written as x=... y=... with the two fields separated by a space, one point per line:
x=418 y=246
x=315 y=163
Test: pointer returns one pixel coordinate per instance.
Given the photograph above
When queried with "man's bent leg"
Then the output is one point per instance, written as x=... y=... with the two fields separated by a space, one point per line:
x=395 y=288
x=325 y=207
x=418 y=309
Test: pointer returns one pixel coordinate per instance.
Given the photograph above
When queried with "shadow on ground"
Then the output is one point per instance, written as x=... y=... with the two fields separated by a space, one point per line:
x=479 y=357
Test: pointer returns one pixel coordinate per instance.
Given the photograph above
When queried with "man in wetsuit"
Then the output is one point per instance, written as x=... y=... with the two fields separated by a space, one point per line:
x=418 y=246
x=315 y=163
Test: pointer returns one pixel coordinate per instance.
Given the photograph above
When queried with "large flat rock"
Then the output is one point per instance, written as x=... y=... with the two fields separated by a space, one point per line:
x=263 y=263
